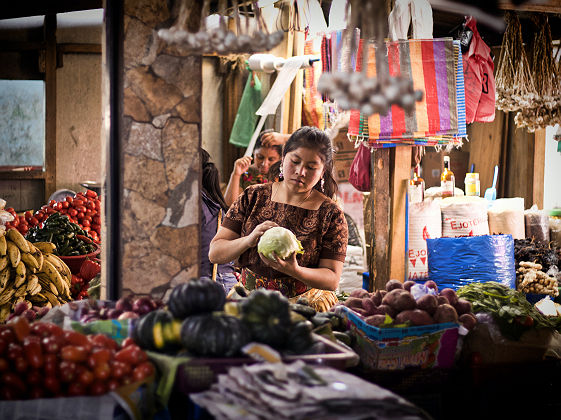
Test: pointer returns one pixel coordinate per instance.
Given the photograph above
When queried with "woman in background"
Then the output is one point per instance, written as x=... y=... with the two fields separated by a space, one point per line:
x=212 y=208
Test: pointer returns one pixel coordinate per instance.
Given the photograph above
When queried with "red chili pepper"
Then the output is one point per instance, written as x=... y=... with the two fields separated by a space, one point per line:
x=89 y=270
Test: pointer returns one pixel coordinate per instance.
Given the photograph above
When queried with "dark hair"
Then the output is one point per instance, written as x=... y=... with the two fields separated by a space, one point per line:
x=274 y=171
x=259 y=144
x=315 y=139
x=211 y=181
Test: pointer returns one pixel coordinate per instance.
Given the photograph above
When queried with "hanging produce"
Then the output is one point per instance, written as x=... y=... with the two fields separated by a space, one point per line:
x=357 y=90
x=513 y=81
x=221 y=40
x=546 y=104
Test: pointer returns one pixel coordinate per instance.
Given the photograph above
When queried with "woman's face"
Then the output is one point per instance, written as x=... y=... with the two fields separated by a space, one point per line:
x=263 y=158
x=302 y=169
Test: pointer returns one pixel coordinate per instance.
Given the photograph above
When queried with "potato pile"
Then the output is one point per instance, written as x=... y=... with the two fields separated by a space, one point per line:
x=398 y=303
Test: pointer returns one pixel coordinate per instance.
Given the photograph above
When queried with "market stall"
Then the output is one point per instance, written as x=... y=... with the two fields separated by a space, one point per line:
x=449 y=292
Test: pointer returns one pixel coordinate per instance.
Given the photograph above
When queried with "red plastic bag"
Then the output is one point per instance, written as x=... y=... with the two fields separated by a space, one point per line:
x=359 y=175
x=479 y=81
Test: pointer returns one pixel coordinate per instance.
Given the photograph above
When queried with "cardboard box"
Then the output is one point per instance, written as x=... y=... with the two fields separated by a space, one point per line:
x=342 y=166
x=342 y=144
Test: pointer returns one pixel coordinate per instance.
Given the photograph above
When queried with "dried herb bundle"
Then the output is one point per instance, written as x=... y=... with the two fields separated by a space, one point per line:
x=536 y=252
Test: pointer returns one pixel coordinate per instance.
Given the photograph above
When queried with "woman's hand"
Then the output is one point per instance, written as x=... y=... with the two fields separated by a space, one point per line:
x=253 y=238
x=289 y=266
x=241 y=165
x=273 y=139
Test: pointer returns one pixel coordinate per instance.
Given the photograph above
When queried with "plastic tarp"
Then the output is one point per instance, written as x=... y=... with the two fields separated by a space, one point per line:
x=455 y=262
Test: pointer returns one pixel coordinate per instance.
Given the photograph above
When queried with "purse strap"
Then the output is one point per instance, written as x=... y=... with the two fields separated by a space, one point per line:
x=215 y=266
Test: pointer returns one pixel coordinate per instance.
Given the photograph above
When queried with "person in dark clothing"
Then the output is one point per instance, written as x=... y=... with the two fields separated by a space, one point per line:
x=213 y=206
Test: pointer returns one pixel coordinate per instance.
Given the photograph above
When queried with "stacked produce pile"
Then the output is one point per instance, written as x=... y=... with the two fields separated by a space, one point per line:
x=41 y=360
x=128 y=307
x=530 y=279
x=509 y=308
x=30 y=274
x=81 y=281
x=83 y=209
x=411 y=304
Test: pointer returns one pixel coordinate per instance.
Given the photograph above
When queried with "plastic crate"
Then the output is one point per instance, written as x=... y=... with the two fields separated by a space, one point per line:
x=198 y=374
x=398 y=348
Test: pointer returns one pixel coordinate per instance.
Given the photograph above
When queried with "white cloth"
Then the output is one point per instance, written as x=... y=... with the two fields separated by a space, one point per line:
x=406 y=12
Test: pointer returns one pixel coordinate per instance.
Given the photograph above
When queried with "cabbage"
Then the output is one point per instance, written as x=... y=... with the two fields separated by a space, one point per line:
x=279 y=240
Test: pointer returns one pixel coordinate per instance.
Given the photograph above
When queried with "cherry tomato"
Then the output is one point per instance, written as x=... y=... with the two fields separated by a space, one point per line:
x=120 y=369
x=4 y=365
x=131 y=354
x=36 y=393
x=72 y=212
x=67 y=371
x=52 y=344
x=98 y=388
x=46 y=329
x=65 y=204
x=8 y=394
x=33 y=351
x=34 y=221
x=52 y=203
x=34 y=377
x=50 y=210
x=128 y=342
x=63 y=211
x=99 y=356
x=13 y=380
x=77 y=202
x=51 y=384
x=21 y=364
x=28 y=215
x=7 y=334
x=77 y=339
x=69 y=199
x=84 y=375
x=91 y=193
x=112 y=384
x=101 y=340
x=143 y=371
x=15 y=350
x=102 y=371
x=50 y=365
x=86 y=223
x=76 y=388
x=86 y=228
x=20 y=325
x=15 y=222
x=74 y=353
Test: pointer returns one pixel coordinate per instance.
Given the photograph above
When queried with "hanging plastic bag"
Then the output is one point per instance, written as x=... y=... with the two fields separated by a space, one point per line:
x=455 y=262
x=359 y=174
x=479 y=81
x=246 y=119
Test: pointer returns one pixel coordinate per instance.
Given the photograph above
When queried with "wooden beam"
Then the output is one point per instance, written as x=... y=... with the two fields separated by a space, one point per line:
x=550 y=6
x=295 y=108
x=539 y=163
x=71 y=48
x=50 y=105
x=379 y=267
x=401 y=164
x=46 y=7
x=11 y=46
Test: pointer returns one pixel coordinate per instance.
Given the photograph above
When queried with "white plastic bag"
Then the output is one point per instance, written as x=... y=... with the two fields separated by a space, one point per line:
x=464 y=216
x=506 y=216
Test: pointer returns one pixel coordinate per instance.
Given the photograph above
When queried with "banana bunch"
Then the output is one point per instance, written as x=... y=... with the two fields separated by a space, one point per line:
x=31 y=273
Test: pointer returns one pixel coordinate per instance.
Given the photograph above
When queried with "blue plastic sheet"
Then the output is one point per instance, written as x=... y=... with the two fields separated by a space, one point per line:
x=455 y=262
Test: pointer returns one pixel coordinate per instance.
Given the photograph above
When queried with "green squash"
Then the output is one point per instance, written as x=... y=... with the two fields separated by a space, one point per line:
x=300 y=338
x=196 y=297
x=158 y=330
x=213 y=335
x=266 y=313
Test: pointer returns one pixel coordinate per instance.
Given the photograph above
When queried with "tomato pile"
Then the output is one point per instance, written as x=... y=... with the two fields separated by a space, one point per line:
x=83 y=209
x=41 y=360
x=80 y=282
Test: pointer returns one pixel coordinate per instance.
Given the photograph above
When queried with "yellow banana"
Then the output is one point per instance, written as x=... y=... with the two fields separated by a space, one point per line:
x=5 y=312
x=18 y=239
x=3 y=262
x=45 y=247
x=60 y=265
x=14 y=254
x=2 y=231
x=21 y=290
x=4 y=277
x=7 y=295
x=3 y=245
x=30 y=261
x=32 y=282
x=50 y=297
x=46 y=283
x=38 y=299
x=54 y=275
x=20 y=274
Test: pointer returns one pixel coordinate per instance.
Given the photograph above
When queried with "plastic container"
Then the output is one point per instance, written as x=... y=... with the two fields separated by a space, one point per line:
x=200 y=373
x=472 y=185
x=555 y=227
x=399 y=348
x=74 y=262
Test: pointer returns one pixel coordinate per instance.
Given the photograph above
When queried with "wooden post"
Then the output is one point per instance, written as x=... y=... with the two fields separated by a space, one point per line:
x=379 y=266
x=539 y=162
x=401 y=164
x=49 y=27
x=295 y=114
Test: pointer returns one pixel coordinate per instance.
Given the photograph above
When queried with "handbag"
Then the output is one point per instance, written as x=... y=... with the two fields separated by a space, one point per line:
x=359 y=174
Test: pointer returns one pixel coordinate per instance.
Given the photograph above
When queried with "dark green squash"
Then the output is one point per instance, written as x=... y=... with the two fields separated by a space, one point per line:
x=213 y=335
x=266 y=314
x=158 y=330
x=196 y=297
x=300 y=338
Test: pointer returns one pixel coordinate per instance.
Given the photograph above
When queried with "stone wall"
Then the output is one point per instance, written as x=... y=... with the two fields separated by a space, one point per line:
x=161 y=141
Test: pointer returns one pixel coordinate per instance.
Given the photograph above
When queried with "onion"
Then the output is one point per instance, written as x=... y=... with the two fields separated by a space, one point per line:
x=128 y=315
x=114 y=313
x=142 y=305
x=124 y=304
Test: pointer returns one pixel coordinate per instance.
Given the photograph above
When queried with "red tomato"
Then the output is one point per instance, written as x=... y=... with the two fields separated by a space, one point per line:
x=143 y=371
x=52 y=344
x=67 y=371
x=21 y=364
x=76 y=388
x=33 y=351
x=4 y=365
x=50 y=366
x=86 y=228
x=63 y=211
x=34 y=377
x=7 y=334
x=7 y=394
x=77 y=339
x=15 y=350
x=102 y=371
x=98 y=388
x=131 y=354
x=128 y=342
x=50 y=210
x=13 y=380
x=65 y=204
x=91 y=193
x=10 y=210
x=20 y=325
x=74 y=353
x=119 y=369
x=28 y=215
x=86 y=222
x=99 y=356
x=46 y=329
x=52 y=202
x=84 y=375
x=36 y=393
x=112 y=384
x=69 y=199
x=52 y=384
x=77 y=202
x=15 y=222
x=33 y=221
x=72 y=212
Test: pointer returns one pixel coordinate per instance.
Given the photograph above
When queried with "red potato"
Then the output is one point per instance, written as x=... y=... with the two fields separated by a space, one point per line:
x=416 y=317
x=369 y=306
x=449 y=294
x=431 y=285
x=354 y=303
x=377 y=298
x=400 y=300
x=408 y=284
x=393 y=284
x=375 y=320
x=442 y=300
x=463 y=306
x=428 y=303
x=386 y=309
x=445 y=313
x=469 y=321
x=359 y=293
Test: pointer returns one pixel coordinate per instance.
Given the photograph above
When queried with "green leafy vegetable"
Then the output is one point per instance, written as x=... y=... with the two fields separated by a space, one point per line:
x=280 y=241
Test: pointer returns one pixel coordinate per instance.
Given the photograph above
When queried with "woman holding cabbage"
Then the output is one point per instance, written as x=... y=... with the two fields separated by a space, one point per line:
x=299 y=202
